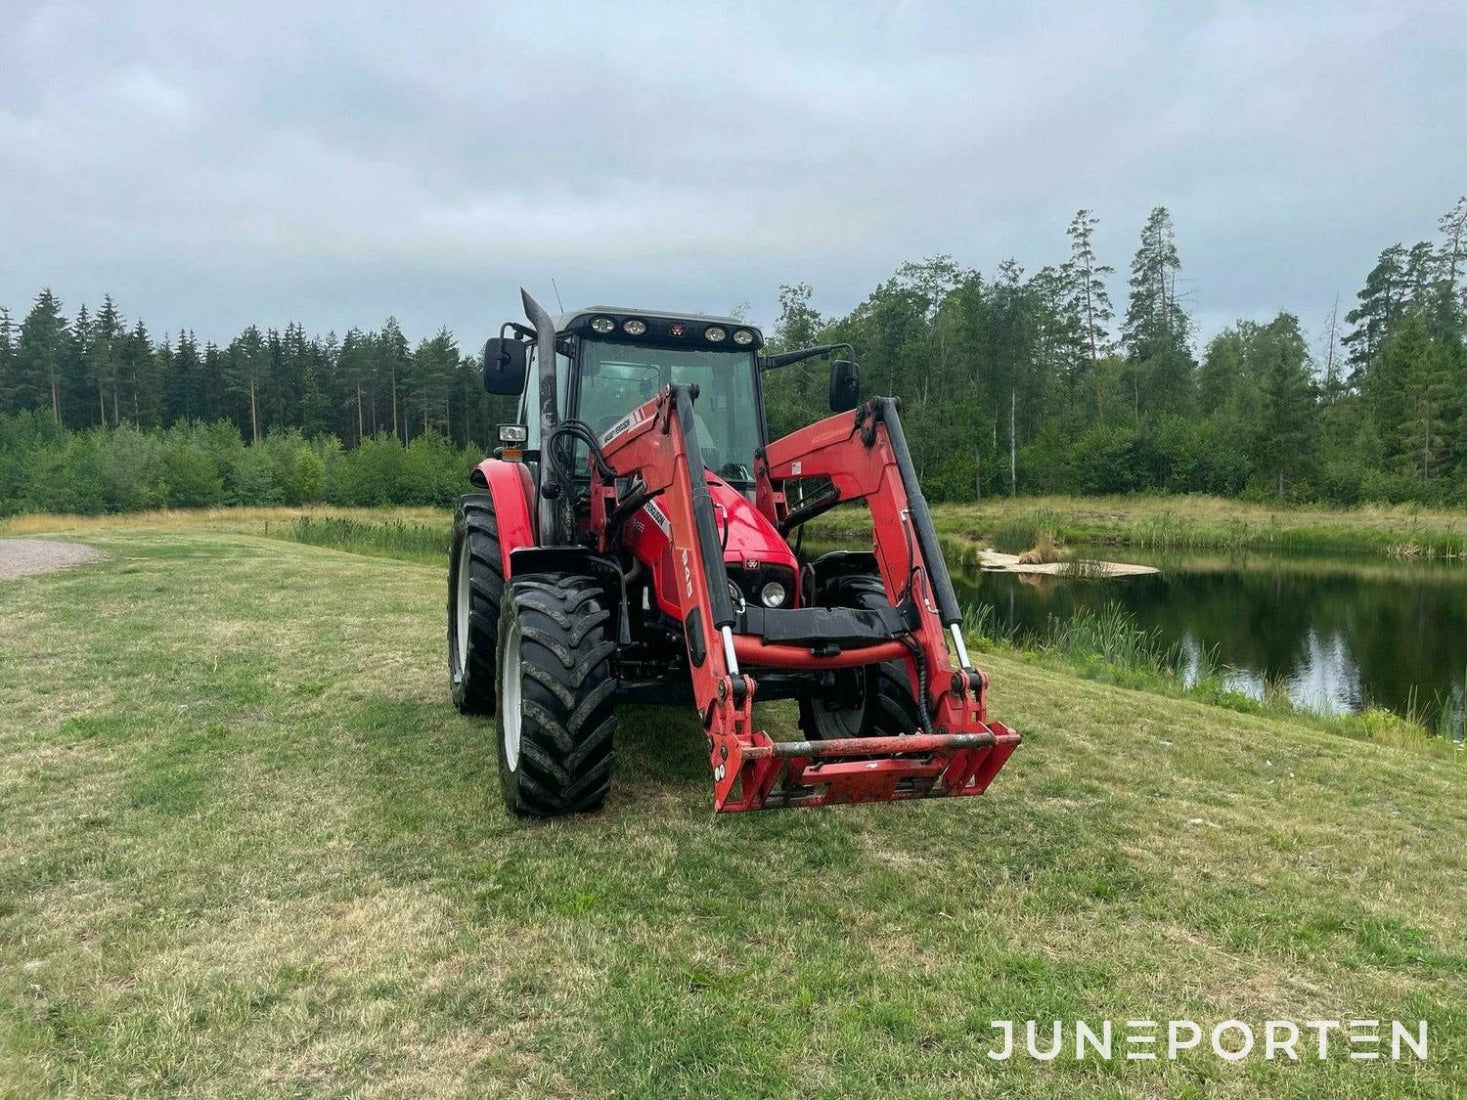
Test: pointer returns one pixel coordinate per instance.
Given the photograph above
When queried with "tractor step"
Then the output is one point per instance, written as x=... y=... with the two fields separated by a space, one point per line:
x=781 y=774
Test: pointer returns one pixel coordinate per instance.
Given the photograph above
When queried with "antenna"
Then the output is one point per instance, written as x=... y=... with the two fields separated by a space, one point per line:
x=557 y=295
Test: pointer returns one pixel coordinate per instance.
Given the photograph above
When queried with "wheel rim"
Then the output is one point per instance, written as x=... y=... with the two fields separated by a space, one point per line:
x=462 y=601
x=509 y=695
x=835 y=718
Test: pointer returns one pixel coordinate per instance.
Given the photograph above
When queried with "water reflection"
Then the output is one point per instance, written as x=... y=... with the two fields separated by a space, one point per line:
x=1334 y=635
x=1327 y=678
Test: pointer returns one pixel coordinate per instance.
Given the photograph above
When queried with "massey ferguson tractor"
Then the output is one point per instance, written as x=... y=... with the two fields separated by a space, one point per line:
x=632 y=540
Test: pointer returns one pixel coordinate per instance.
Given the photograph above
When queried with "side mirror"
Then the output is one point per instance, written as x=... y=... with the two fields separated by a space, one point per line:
x=505 y=364
x=845 y=385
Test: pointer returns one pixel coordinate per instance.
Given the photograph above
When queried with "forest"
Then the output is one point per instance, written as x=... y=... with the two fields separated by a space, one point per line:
x=1011 y=383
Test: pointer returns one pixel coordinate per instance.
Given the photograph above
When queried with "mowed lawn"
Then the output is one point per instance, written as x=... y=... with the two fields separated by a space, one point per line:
x=249 y=848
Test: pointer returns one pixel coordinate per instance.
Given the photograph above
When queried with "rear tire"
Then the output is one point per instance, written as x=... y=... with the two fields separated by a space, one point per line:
x=874 y=701
x=475 y=589
x=555 y=683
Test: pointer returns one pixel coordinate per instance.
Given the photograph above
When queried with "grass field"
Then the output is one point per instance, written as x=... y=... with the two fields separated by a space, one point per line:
x=1193 y=523
x=250 y=849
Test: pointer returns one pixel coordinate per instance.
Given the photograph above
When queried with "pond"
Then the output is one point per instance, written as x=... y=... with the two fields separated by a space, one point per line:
x=1337 y=635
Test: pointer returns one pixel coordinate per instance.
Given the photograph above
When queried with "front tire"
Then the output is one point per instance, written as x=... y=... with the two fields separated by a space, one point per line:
x=475 y=589
x=872 y=701
x=555 y=685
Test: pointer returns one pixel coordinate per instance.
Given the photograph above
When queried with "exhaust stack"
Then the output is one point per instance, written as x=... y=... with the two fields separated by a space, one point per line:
x=550 y=534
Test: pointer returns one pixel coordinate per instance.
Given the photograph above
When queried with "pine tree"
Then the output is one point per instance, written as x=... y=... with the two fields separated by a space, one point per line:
x=432 y=370
x=140 y=381
x=248 y=359
x=392 y=356
x=1157 y=328
x=1423 y=271
x=1390 y=390
x=7 y=361
x=1333 y=387
x=1425 y=393
x=1062 y=344
x=216 y=396
x=1089 y=297
x=315 y=406
x=355 y=364
x=1381 y=301
x=76 y=396
x=44 y=335
x=1286 y=430
x=102 y=360
x=184 y=375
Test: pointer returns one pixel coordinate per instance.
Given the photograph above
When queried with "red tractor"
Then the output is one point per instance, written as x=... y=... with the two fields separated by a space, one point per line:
x=631 y=540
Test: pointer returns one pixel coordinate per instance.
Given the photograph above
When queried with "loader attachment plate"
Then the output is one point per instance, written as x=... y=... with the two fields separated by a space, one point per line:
x=783 y=774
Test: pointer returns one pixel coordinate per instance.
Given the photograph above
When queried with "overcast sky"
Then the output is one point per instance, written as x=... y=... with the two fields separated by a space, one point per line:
x=228 y=163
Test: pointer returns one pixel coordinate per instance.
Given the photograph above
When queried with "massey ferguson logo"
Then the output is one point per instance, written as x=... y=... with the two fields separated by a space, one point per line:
x=687 y=576
x=659 y=517
x=625 y=424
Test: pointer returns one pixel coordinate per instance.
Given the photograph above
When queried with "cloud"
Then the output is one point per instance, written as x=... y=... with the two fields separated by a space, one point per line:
x=271 y=161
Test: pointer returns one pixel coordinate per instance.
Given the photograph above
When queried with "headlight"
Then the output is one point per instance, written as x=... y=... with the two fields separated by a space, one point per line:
x=772 y=594
x=634 y=327
x=713 y=334
x=603 y=325
x=743 y=336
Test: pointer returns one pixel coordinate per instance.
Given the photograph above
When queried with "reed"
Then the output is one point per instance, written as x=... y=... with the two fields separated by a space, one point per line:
x=420 y=542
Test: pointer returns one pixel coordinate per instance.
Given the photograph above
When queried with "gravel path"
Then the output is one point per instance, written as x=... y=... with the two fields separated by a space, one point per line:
x=22 y=557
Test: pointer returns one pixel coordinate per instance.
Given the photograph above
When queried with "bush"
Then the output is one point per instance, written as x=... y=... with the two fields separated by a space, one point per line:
x=1107 y=460
x=192 y=478
x=381 y=471
x=1342 y=482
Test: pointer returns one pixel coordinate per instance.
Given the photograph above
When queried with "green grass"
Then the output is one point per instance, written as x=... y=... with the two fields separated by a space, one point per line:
x=426 y=543
x=1186 y=523
x=250 y=849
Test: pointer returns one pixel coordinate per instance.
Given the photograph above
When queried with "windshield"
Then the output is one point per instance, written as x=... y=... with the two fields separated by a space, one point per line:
x=616 y=378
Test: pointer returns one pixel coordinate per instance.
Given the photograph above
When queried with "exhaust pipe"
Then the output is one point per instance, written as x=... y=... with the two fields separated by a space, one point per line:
x=550 y=534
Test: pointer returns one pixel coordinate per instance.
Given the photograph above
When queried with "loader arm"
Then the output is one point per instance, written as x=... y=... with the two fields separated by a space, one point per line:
x=865 y=455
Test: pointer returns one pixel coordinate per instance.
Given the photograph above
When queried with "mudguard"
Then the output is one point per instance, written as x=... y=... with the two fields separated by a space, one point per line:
x=512 y=491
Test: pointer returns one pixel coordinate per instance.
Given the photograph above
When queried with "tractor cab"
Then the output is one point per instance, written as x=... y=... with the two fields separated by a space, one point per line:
x=609 y=361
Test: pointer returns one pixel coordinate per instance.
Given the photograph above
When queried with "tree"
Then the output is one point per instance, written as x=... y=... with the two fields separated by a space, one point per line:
x=248 y=358
x=1061 y=342
x=140 y=380
x=7 y=361
x=1089 y=298
x=355 y=365
x=793 y=392
x=799 y=322
x=1381 y=301
x=392 y=356
x=432 y=371
x=101 y=359
x=1453 y=258
x=1157 y=328
x=184 y=374
x=1333 y=388
x=1284 y=444
x=1414 y=419
x=44 y=335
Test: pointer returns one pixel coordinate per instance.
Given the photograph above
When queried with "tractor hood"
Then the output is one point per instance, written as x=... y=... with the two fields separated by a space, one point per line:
x=753 y=550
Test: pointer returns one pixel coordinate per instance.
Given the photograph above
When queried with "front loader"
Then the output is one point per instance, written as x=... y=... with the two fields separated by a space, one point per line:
x=632 y=540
